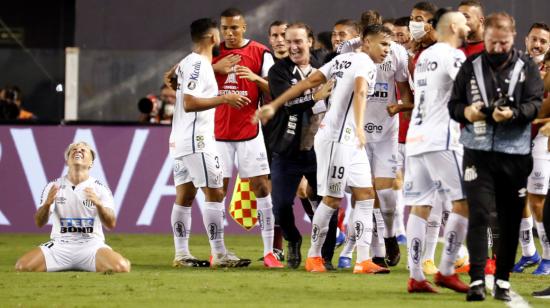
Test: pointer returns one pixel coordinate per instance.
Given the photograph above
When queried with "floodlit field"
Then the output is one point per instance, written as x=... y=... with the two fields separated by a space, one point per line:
x=153 y=282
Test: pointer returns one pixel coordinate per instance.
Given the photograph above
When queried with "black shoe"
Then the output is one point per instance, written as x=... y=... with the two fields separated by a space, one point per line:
x=502 y=291
x=477 y=292
x=380 y=261
x=393 y=255
x=542 y=294
x=329 y=266
x=294 y=257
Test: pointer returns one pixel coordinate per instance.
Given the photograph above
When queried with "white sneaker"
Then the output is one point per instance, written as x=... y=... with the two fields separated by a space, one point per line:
x=228 y=259
x=189 y=261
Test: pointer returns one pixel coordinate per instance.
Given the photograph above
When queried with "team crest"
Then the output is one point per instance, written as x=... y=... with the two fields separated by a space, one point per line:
x=191 y=85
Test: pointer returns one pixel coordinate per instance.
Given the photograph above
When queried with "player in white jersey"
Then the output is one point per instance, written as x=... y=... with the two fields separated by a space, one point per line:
x=78 y=206
x=192 y=145
x=434 y=155
x=341 y=161
x=381 y=130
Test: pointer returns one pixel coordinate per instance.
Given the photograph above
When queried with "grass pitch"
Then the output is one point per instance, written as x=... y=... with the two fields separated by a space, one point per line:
x=153 y=282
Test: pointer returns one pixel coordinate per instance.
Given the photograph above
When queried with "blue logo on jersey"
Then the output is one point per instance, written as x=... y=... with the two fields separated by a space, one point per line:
x=77 y=225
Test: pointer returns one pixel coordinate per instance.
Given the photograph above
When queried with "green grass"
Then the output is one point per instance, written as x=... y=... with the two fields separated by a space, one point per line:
x=153 y=282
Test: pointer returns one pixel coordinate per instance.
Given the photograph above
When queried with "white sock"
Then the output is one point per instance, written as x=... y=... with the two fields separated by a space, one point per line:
x=543 y=237
x=526 y=237
x=455 y=233
x=267 y=222
x=416 y=232
x=378 y=246
x=319 y=230
x=363 y=222
x=181 y=228
x=398 y=222
x=349 y=245
x=212 y=217
x=432 y=234
x=388 y=200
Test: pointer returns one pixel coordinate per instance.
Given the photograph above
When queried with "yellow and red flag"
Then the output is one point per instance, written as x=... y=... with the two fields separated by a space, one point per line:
x=243 y=208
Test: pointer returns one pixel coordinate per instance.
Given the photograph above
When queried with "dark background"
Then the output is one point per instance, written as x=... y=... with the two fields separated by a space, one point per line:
x=126 y=45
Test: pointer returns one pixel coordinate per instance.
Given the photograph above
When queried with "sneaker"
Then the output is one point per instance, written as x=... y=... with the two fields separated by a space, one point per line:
x=271 y=261
x=542 y=294
x=464 y=269
x=452 y=282
x=402 y=239
x=393 y=254
x=294 y=255
x=369 y=267
x=344 y=262
x=328 y=265
x=526 y=262
x=315 y=265
x=189 y=261
x=429 y=268
x=461 y=262
x=228 y=259
x=279 y=254
x=380 y=261
x=424 y=286
x=543 y=268
x=490 y=266
x=476 y=292
x=502 y=290
x=340 y=239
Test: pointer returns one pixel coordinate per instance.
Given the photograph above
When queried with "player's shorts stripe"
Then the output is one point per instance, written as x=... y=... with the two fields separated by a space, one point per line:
x=205 y=171
x=193 y=133
x=459 y=170
x=345 y=118
x=329 y=160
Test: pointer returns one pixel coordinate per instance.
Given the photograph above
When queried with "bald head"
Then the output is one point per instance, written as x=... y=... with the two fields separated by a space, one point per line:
x=452 y=27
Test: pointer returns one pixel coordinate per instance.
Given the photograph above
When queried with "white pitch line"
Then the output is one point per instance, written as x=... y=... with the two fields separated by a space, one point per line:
x=516 y=302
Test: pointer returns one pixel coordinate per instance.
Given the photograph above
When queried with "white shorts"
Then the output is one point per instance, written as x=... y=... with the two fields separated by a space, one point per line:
x=383 y=158
x=433 y=173
x=63 y=255
x=203 y=169
x=401 y=156
x=251 y=157
x=340 y=166
x=537 y=183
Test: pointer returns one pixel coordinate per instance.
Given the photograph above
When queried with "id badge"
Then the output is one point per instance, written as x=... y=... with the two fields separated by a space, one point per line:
x=480 y=128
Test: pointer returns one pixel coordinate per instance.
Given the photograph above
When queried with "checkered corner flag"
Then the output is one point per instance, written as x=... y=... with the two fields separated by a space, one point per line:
x=243 y=207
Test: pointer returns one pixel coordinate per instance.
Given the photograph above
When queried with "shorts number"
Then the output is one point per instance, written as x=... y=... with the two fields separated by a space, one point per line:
x=217 y=162
x=340 y=171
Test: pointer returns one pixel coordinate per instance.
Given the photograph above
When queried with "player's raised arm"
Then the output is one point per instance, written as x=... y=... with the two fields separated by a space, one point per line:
x=43 y=212
x=194 y=104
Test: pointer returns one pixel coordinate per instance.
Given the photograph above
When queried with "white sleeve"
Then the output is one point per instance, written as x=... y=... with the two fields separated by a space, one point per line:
x=454 y=63
x=267 y=64
x=106 y=196
x=192 y=75
x=325 y=69
x=349 y=45
x=366 y=69
x=44 y=196
x=402 y=66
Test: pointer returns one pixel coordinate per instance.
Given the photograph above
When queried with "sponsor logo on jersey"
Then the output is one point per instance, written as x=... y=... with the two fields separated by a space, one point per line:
x=60 y=200
x=76 y=225
x=196 y=71
x=538 y=186
x=426 y=66
x=380 y=90
x=373 y=128
x=470 y=174
x=192 y=85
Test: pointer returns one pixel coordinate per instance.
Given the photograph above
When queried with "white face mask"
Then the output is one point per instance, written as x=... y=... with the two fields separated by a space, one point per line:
x=417 y=29
x=538 y=59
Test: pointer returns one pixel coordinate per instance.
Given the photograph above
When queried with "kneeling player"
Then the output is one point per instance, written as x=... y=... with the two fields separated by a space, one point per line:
x=78 y=205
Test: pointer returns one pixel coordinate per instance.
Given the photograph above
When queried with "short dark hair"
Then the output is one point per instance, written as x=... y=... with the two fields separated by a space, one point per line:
x=324 y=38
x=539 y=25
x=438 y=14
x=426 y=6
x=231 y=12
x=370 y=17
x=388 y=21
x=402 y=21
x=276 y=23
x=200 y=27
x=302 y=25
x=350 y=23
x=500 y=21
x=376 y=29
x=475 y=3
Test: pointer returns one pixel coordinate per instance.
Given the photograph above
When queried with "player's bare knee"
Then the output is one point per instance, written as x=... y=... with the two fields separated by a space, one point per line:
x=460 y=207
x=120 y=266
x=260 y=186
x=21 y=266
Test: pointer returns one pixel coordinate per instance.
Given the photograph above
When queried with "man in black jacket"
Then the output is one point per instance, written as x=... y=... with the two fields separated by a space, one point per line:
x=292 y=132
x=496 y=95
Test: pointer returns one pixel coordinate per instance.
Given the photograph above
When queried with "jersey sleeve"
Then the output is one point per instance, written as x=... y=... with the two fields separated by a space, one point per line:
x=402 y=66
x=454 y=63
x=349 y=45
x=326 y=68
x=44 y=195
x=365 y=68
x=267 y=63
x=105 y=195
x=192 y=74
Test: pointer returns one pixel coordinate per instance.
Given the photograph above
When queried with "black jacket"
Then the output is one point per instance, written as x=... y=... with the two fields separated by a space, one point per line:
x=512 y=136
x=285 y=129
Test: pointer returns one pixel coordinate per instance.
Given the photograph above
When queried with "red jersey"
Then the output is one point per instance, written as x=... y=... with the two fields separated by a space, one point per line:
x=473 y=48
x=234 y=124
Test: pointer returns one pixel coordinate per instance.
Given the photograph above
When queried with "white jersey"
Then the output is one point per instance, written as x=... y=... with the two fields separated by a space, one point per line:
x=193 y=132
x=431 y=128
x=378 y=123
x=339 y=121
x=540 y=147
x=74 y=218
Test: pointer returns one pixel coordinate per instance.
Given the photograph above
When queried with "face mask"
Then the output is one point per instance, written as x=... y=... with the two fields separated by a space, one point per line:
x=538 y=59
x=497 y=59
x=168 y=110
x=216 y=51
x=417 y=30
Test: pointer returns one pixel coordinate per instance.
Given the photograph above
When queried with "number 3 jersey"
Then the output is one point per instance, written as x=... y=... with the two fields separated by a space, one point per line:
x=339 y=121
x=74 y=217
x=431 y=128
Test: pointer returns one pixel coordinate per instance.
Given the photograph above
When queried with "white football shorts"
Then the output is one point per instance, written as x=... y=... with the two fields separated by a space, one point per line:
x=203 y=169
x=64 y=255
